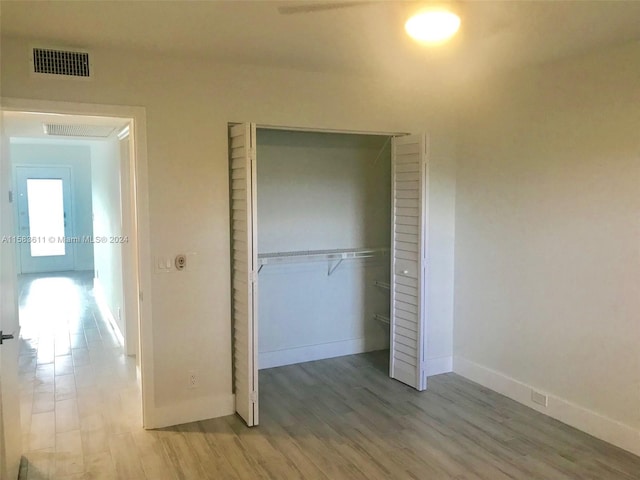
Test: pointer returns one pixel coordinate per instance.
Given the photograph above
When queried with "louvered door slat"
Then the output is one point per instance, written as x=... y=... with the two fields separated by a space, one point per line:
x=244 y=260
x=408 y=245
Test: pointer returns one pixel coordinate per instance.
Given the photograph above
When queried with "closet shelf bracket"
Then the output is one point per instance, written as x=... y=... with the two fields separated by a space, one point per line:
x=334 y=267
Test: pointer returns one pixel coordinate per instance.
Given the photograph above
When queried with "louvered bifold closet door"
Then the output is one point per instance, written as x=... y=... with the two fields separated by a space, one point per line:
x=408 y=260
x=244 y=259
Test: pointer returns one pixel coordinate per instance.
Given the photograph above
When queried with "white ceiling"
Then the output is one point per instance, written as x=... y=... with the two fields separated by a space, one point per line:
x=366 y=39
x=29 y=125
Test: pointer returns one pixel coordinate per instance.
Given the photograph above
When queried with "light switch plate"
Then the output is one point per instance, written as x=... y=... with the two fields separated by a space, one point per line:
x=163 y=264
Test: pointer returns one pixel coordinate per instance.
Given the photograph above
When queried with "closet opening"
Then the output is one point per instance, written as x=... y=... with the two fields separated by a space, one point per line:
x=314 y=219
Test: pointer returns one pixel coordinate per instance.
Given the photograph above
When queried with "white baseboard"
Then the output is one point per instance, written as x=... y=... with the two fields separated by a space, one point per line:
x=309 y=353
x=103 y=305
x=600 y=426
x=437 y=366
x=194 y=410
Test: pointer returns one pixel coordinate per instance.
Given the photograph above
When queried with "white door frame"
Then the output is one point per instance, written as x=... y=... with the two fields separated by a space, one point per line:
x=345 y=132
x=138 y=275
x=9 y=420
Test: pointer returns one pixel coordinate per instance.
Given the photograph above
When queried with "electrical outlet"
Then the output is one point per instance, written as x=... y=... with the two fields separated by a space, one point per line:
x=193 y=380
x=119 y=314
x=539 y=398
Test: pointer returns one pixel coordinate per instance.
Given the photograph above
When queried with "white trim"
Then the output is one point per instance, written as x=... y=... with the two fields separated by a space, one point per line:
x=10 y=428
x=105 y=311
x=140 y=240
x=200 y=408
x=593 y=423
x=124 y=133
x=439 y=365
x=325 y=130
x=128 y=255
x=319 y=351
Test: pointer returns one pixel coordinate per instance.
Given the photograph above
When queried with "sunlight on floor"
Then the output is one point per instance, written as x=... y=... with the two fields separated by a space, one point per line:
x=49 y=305
x=78 y=391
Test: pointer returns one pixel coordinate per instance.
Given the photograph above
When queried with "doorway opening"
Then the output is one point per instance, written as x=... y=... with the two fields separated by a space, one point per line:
x=79 y=283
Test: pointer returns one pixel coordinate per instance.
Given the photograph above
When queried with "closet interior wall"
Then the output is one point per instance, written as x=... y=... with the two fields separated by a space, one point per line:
x=318 y=192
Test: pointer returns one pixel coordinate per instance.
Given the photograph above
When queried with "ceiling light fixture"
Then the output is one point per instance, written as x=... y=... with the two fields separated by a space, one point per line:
x=433 y=26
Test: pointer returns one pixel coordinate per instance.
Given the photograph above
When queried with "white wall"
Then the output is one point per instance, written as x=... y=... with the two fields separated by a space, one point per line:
x=547 y=290
x=188 y=106
x=320 y=192
x=107 y=223
x=25 y=152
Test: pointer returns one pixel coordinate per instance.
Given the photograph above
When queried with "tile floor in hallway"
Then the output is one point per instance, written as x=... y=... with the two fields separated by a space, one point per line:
x=79 y=398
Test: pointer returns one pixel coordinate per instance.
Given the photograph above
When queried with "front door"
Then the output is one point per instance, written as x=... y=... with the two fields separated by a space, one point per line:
x=44 y=219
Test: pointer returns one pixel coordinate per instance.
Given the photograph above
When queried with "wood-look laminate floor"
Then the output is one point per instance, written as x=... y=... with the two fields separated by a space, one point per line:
x=331 y=419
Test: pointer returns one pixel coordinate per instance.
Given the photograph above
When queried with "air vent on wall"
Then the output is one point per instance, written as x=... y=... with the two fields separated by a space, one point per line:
x=102 y=131
x=61 y=62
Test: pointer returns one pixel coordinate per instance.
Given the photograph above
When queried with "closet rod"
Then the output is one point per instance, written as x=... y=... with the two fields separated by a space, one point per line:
x=338 y=255
x=265 y=258
x=382 y=318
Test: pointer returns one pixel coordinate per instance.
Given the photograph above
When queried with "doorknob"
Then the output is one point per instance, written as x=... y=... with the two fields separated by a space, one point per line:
x=4 y=337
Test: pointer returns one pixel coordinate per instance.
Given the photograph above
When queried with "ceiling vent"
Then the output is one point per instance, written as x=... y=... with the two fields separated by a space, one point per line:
x=61 y=130
x=61 y=62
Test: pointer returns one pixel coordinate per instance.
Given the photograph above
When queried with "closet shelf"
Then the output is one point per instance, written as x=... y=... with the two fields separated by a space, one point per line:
x=336 y=255
x=382 y=284
x=382 y=318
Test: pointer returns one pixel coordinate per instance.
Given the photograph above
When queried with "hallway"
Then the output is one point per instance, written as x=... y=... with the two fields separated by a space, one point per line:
x=79 y=398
